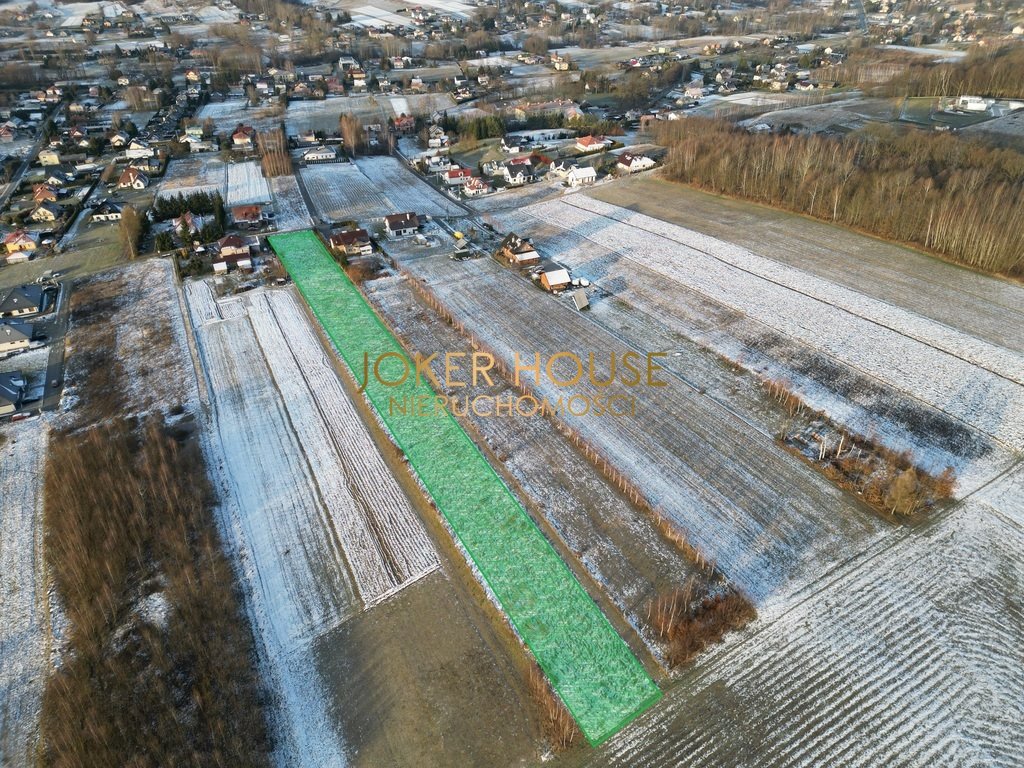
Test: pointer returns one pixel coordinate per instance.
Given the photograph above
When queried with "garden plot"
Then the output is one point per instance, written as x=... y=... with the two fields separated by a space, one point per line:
x=405 y=190
x=289 y=563
x=340 y=192
x=893 y=347
x=770 y=523
x=289 y=206
x=245 y=185
x=910 y=656
x=147 y=339
x=24 y=614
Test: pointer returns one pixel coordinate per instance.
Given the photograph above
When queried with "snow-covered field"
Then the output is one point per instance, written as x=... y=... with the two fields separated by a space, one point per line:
x=663 y=268
x=769 y=522
x=371 y=16
x=195 y=173
x=405 y=191
x=24 y=615
x=229 y=113
x=272 y=384
x=237 y=183
x=317 y=524
x=246 y=185
x=911 y=655
x=340 y=192
x=288 y=204
x=371 y=188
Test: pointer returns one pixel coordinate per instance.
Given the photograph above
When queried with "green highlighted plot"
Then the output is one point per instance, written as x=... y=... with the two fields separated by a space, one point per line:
x=588 y=664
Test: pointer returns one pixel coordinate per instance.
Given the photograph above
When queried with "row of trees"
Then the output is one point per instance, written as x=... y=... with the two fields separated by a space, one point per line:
x=995 y=74
x=958 y=198
x=199 y=203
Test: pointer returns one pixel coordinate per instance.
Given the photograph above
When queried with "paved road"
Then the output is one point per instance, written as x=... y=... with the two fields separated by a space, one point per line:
x=29 y=157
x=56 y=327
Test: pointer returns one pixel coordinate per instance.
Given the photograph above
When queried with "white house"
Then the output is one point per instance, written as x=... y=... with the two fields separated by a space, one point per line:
x=456 y=177
x=138 y=149
x=401 y=224
x=320 y=154
x=132 y=178
x=579 y=177
x=475 y=187
x=107 y=211
x=631 y=163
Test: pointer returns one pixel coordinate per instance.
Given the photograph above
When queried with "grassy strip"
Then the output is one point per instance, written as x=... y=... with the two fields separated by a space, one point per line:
x=592 y=669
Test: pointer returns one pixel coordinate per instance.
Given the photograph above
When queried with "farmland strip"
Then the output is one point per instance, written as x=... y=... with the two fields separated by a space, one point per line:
x=592 y=669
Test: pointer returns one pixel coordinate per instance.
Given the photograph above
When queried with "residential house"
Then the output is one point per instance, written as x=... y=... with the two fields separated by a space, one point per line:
x=436 y=137
x=439 y=164
x=561 y=168
x=401 y=224
x=22 y=300
x=456 y=177
x=132 y=178
x=106 y=211
x=49 y=156
x=200 y=143
x=592 y=143
x=7 y=133
x=354 y=242
x=47 y=212
x=138 y=148
x=517 y=250
x=405 y=124
x=320 y=154
x=148 y=165
x=581 y=177
x=307 y=137
x=187 y=224
x=630 y=163
x=232 y=251
x=44 y=193
x=12 y=392
x=475 y=187
x=19 y=242
x=519 y=171
x=119 y=140
x=14 y=337
x=244 y=138
x=247 y=215
x=61 y=176
x=513 y=145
